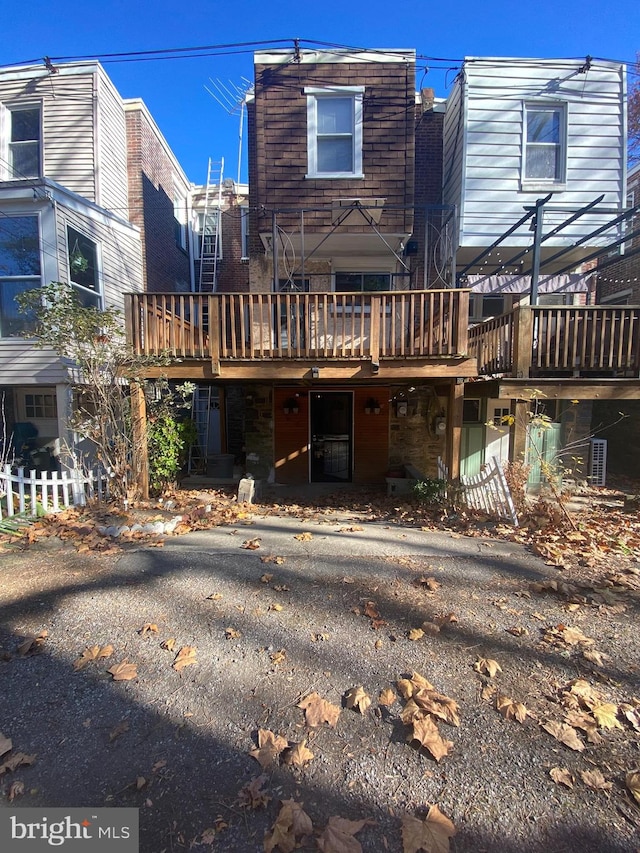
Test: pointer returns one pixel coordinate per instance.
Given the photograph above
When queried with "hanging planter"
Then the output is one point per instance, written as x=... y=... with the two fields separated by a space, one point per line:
x=77 y=260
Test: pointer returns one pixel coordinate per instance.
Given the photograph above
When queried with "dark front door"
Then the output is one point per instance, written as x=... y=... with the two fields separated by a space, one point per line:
x=331 y=424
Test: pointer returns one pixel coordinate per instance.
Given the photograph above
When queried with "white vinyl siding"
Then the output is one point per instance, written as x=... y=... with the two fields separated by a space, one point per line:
x=483 y=139
x=111 y=148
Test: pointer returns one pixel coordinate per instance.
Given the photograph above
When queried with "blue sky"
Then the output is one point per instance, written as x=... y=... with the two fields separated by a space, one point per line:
x=197 y=127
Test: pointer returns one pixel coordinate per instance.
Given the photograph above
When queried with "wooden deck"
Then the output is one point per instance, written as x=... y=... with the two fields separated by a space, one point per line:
x=561 y=341
x=236 y=332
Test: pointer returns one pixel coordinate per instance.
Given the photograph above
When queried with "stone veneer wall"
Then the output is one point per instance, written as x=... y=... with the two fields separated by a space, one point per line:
x=258 y=436
x=412 y=439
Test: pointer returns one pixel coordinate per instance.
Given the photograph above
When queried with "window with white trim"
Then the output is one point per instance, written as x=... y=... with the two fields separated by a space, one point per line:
x=24 y=146
x=19 y=270
x=544 y=158
x=83 y=268
x=334 y=132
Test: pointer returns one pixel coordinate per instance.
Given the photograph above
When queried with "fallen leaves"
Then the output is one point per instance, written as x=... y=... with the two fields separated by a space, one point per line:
x=511 y=710
x=252 y=795
x=251 y=544
x=338 y=836
x=357 y=699
x=564 y=734
x=32 y=645
x=123 y=671
x=269 y=748
x=185 y=657
x=232 y=633
x=298 y=755
x=430 y=835
x=291 y=825
x=487 y=666
x=606 y=715
x=15 y=759
x=426 y=732
x=148 y=628
x=561 y=776
x=594 y=779
x=318 y=711
x=90 y=654
x=304 y=537
x=632 y=781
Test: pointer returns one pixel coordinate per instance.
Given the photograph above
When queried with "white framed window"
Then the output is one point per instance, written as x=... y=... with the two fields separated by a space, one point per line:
x=180 y=219
x=19 y=270
x=209 y=235
x=83 y=267
x=544 y=144
x=24 y=141
x=483 y=307
x=334 y=132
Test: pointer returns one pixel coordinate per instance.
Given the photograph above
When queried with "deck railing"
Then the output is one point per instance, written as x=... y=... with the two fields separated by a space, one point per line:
x=259 y=326
x=547 y=340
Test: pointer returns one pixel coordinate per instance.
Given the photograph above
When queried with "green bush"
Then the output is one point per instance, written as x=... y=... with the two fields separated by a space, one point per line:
x=167 y=440
x=430 y=490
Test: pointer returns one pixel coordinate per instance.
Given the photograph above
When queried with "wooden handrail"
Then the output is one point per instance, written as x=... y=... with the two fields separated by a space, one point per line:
x=258 y=326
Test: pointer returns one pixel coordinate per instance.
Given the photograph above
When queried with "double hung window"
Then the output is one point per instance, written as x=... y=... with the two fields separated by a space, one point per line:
x=19 y=270
x=544 y=143
x=24 y=142
x=83 y=268
x=334 y=132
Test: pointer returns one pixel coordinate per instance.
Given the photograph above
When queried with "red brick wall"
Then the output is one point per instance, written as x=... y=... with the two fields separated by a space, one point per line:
x=625 y=274
x=429 y=128
x=151 y=190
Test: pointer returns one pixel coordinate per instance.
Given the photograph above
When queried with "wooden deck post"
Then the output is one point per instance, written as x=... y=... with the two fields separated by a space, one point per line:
x=522 y=341
x=454 y=427
x=214 y=333
x=139 y=430
x=462 y=330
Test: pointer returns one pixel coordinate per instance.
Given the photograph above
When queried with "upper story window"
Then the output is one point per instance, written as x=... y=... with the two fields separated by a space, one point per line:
x=545 y=150
x=24 y=142
x=334 y=132
x=19 y=270
x=180 y=219
x=209 y=235
x=83 y=268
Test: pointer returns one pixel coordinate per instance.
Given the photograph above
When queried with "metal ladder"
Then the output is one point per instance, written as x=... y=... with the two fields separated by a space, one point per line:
x=200 y=407
x=209 y=230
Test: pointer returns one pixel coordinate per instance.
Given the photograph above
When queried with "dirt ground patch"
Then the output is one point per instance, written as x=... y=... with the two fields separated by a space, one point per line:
x=280 y=603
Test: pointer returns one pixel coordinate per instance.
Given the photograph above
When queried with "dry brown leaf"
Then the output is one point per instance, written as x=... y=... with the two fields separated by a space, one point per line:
x=594 y=779
x=408 y=686
x=632 y=781
x=387 y=697
x=440 y=706
x=123 y=671
x=517 y=631
x=281 y=587
x=251 y=544
x=564 y=733
x=168 y=644
x=291 y=824
x=252 y=795
x=574 y=636
x=278 y=657
x=318 y=711
x=32 y=645
x=357 y=699
x=266 y=578
x=487 y=666
x=273 y=559
x=430 y=835
x=426 y=732
x=561 y=776
x=606 y=715
x=18 y=759
x=270 y=746
x=148 y=628
x=511 y=710
x=488 y=692
x=5 y=744
x=215 y=596
x=415 y=634
x=594 y=656
x=338 y=836
x=630 y=714
x=276 y=607
x=92 y=653
x=185 y=657
x=140 y=782
x=303 y=537
x=430 y=628
x=16 y=789
x=298 y=755
x=427 y=583
x=120 y=729
x=232 y=633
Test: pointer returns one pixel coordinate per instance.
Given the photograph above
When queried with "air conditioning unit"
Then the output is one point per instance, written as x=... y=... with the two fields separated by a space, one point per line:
x=598 y=462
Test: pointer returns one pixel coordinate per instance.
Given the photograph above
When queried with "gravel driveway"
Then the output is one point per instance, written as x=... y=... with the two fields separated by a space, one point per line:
x=279 y=608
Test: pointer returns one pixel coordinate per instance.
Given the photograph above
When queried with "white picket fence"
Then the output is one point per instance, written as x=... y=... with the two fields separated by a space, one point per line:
x=487 y=491
x=32 y=493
